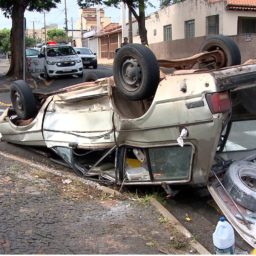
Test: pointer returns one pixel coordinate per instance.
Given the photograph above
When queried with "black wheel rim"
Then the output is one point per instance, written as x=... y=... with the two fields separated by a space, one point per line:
x=131 y=74
x=249 y=181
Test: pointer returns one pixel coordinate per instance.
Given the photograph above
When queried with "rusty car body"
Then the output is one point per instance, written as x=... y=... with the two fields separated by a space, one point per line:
x=126 y=131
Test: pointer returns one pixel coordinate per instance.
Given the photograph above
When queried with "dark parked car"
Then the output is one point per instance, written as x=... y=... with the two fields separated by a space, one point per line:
x=89 y=58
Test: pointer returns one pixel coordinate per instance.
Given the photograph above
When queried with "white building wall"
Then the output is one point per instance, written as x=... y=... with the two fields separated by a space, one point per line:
x=177 y=14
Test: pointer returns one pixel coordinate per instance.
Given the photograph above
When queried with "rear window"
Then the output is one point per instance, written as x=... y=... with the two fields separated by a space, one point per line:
x=242 y=136
x=84 y=50
x=32 y=52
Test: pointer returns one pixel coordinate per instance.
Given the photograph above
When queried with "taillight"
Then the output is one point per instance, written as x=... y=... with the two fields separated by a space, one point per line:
x=219 y=102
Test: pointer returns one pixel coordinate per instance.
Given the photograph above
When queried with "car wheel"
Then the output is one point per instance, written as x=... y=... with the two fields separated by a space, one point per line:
x=240 y=182
x=23 y=100
x=46 y=76
x=91 y=76
x=136 y=72
x=228 y=47
x=95 y=66
x=81 y=75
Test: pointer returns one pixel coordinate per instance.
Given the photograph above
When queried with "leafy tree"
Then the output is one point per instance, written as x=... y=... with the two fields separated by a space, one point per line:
x=164 y=3
x=15 y=9
x=137 y=8
x=30 y=41
x=58 y=35
x=5 y=45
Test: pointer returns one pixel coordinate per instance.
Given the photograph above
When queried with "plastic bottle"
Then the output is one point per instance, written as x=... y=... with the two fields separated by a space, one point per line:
x=224 y=238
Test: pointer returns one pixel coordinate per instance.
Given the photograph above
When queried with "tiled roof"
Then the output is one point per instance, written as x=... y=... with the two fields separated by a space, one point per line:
x=241 y=5
x=110 y=29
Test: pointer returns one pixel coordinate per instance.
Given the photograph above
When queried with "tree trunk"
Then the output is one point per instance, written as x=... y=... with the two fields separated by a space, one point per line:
x=140 y=19
x=17 y=40
x=142 y=23
x=142 y=30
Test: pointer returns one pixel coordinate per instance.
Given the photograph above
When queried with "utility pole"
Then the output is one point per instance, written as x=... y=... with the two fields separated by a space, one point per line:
x=72 y=26
x=130 y=34
x=66 y=18
x=24 y=49
x=98 y=28
x=123 y=22
x=44 y=29
x=82 y=28
x=33 y=29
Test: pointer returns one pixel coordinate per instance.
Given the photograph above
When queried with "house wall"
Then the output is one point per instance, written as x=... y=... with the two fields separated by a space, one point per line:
x=187 y=47
x=177 y=14
x=92 y=44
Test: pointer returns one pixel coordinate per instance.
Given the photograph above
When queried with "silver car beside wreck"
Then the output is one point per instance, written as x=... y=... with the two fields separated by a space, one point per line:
x=142 y=126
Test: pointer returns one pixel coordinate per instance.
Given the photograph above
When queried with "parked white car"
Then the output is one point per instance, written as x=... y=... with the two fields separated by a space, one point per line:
x=59 y=60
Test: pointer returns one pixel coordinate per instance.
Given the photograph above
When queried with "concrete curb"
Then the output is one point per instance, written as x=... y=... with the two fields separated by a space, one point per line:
x=71 y=176
x=195 y=244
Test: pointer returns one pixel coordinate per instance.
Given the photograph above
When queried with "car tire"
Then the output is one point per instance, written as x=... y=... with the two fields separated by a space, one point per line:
x=46 y=75
x=81 y=75
x=91 y=76
x=239 y=189
x=22 y=99
x=95 y=66
x=136 y=72
x=226 y=45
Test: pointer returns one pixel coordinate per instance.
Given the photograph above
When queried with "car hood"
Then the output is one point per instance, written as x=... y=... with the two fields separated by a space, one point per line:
x=87 y=56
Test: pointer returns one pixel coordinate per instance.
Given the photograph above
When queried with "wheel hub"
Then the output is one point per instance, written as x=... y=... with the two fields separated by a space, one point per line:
x=131 y=73
x=18 y=101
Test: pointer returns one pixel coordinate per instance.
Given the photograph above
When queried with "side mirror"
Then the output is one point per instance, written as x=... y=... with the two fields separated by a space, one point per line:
x=95 y=53
x=78 y=52
x=41 y=55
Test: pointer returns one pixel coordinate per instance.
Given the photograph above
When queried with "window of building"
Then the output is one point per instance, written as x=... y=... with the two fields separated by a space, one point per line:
x=212 y=25
x=168 y=33
x=154 y=32
x=189 y=28
x=246 y=25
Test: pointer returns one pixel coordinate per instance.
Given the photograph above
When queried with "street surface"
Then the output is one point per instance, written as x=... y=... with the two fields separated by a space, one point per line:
x=46 y=210
x=194 y=203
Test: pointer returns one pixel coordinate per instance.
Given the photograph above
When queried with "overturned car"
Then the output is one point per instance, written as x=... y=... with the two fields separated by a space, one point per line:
x=146 y=127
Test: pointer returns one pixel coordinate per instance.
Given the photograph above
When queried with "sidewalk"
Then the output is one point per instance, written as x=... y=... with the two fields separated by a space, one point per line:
x=45 y=210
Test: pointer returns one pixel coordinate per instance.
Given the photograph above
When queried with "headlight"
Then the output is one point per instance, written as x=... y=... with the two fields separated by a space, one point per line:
x=78 y=61
x=50 y=62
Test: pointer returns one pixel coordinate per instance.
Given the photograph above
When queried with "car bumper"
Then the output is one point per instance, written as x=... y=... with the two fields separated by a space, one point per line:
x=87 y=62
x=61 y=71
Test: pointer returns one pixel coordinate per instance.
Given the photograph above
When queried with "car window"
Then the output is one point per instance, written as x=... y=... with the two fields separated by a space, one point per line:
x=171 y=163
x=166 y=163
x=84 y=50
x=60 y=51
x=241 y=136
x=32 y=52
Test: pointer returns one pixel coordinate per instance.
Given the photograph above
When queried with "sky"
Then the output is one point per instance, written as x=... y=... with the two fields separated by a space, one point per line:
x=57 y=15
